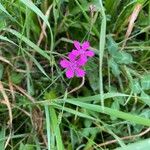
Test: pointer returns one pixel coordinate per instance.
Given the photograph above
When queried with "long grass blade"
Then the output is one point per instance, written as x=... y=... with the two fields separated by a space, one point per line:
x=102 y=37
x=29 y=43
x=112 y=112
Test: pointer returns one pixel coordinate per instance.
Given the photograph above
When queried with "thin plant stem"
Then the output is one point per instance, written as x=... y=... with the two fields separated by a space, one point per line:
x=101 y=51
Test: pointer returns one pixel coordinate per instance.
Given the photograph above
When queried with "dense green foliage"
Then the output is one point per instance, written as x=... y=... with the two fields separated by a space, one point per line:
x=41 y=109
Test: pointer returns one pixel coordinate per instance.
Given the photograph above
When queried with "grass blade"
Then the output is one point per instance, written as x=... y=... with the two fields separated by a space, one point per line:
x=112 y=112
x=3 y=38
x=29 y=43
x=55 y=124
x=2 y=8
x=48 y=126
x=37 y=64
x=35 y=9
x=141 y=145
x=101 y=51
x=31 y=5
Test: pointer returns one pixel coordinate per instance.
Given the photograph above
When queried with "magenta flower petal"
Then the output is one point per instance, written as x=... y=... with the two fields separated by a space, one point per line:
x=69 y=73
x=75 y=52
x=77 y=45
x=81 y=62
x=77 y=58
x=83 y=58
x=89 y=53
x=64 y=63
x=85 y=45
x=71 y=57
x=80 y=72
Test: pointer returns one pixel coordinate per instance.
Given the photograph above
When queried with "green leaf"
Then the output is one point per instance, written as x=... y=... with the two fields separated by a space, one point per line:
x=2 y=24
x=145 y=113
x=118 y=56
x=123 y=58
x=119 y=99
x=145 y=98
x=135 y=86
x=90 y=131
x=140 y=145
x=87 y=123
x=114 y=67
x=115 y=105
x=112 y=46
x=16 y=78
x=145 y=82
x=26 y=147
x=92 y=67
x=50 y=95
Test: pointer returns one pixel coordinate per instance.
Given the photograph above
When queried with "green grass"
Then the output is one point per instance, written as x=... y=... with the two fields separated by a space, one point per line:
x=109 y=111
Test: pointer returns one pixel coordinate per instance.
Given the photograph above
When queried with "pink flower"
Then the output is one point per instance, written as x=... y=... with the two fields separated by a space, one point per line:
x=82 y=51
x=73 y=67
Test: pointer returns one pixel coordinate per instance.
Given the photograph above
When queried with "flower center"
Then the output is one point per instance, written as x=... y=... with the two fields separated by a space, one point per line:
x=82 y=52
